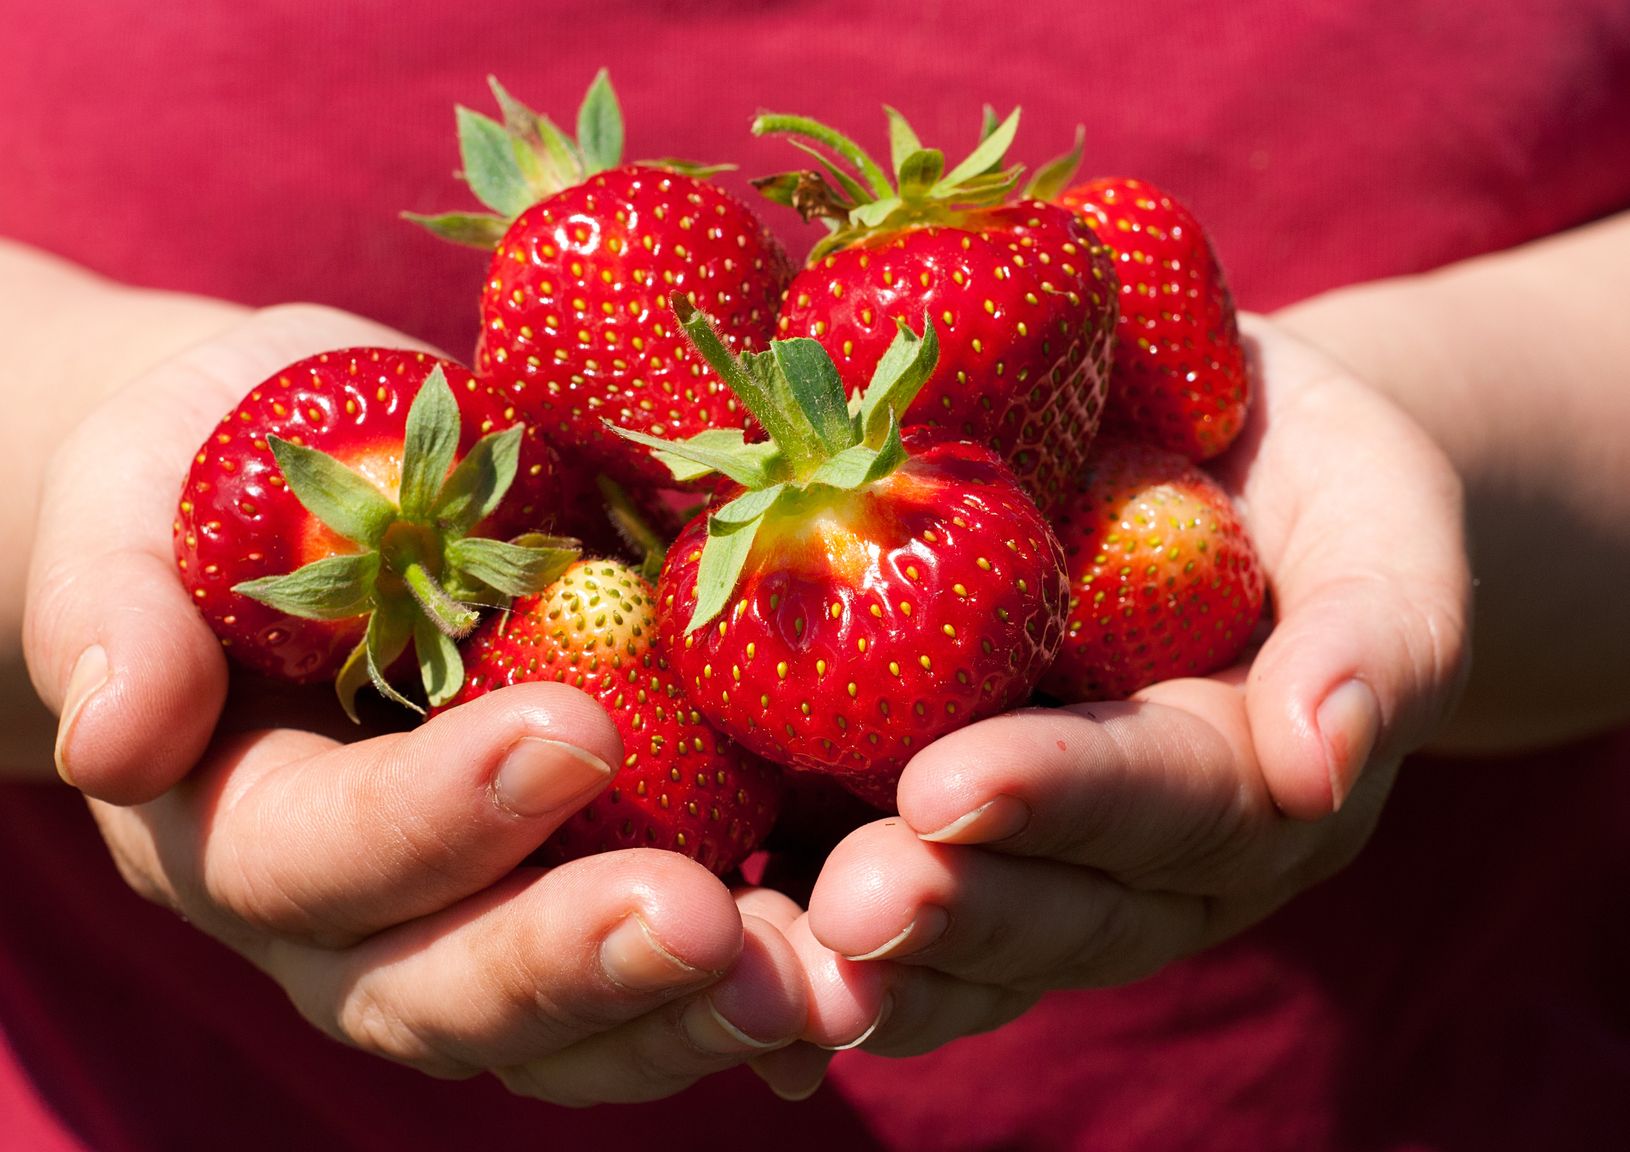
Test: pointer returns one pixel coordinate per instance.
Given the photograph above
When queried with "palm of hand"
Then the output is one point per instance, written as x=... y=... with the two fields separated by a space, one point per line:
x=1115 y=837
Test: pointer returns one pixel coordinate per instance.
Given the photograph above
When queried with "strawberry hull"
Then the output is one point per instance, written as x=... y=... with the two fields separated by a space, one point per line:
x=861 y=632
x=239 y=521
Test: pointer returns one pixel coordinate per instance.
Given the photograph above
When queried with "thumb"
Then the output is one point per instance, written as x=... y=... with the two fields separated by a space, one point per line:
x=1365 y=546
x=113 y=642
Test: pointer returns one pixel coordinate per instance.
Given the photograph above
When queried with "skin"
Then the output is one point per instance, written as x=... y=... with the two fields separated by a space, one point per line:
x=1155 y=827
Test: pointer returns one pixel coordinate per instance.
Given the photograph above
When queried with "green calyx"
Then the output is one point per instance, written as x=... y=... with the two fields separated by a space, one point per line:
x=818 y=438
x=514 y=163
x=856 y=197
x=419 y=576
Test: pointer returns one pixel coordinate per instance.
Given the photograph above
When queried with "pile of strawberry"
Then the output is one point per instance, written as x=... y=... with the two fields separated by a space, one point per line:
x=772 y=518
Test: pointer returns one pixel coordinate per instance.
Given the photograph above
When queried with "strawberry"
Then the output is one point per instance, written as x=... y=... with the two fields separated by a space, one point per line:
x=589 y=253
x=1022 y=293
x=682 y=785
x=1180 y=379
x=851 y=598
x=1164 y=581
x=347 y=508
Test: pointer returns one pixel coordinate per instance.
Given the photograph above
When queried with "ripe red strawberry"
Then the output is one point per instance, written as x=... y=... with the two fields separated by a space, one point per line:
x=1021 y=292
x=1180 y=378
x=682 y=785
x=590 y=252
x=850 y=600
x=347 y=507
x=1164 y=581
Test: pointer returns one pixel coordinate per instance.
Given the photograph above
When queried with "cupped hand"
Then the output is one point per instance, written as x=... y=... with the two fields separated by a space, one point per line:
x=1090 y=845
x=379 y=878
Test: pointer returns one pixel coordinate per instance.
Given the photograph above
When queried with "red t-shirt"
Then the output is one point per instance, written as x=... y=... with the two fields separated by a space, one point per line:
x=1460 y=986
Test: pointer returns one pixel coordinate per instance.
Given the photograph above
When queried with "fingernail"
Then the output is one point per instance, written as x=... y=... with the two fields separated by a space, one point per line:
x=1349 y=721
x=929 y=926
x=706 y=1027
x=633 y=959
x=89 y=674
x=539 y=777
x=795 y=1072
x=877 y=1022
x=993 y=820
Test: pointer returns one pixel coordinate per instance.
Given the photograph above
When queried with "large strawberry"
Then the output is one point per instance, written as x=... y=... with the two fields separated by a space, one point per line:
x=1164 y=580
x=1180 y=379
x=347 y=508
x=851 y=599
x=1022 y=293
x=589 y=254
x=682 y=785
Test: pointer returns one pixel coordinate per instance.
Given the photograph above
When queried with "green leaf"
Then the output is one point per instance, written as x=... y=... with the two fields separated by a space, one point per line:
x=847 y=470
x=333 y=588
x=389 y=632
x=353 y=678
x=747 y=466
x=519 y=120
x=490 y=168
x=802 y=128
x=900 y=374
x=817 y=390
x=920 y=173
x=744 y=510
x=692 y=168
x=875 y=213
x=903 y=140
x=988 y=122
x=330 y=491
x=985 y=157
x=600 y=126
x=428 y=447
x=472 y=229
x=781 y=188
x=723 y=557
x=890 y=456
x=1051 y=180
x=510 y=567
x=745 y=377
x=386 y=639
x=440 y=666
x=729 y=440
x=477 y=486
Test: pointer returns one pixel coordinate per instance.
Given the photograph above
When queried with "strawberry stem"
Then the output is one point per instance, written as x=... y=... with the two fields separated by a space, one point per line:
x=631 y=526
x=449 y=616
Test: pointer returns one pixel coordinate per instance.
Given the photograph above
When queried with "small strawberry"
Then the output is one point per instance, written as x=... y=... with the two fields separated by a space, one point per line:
x=1164 y=581
x=589 y=253
x=346 y=509
x=850 y=599
x=1022 y=293
x=682 y=785
x=1180 y=378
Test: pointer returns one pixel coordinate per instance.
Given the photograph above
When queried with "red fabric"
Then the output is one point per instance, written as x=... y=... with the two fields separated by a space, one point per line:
x=1459 y=987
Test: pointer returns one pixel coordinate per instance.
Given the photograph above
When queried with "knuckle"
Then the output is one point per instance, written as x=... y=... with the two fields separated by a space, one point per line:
x=522 y=974
x=369 y=1021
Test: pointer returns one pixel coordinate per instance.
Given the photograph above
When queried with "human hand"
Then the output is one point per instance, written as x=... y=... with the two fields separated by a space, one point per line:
x=1090 y=845
x=380 y=881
